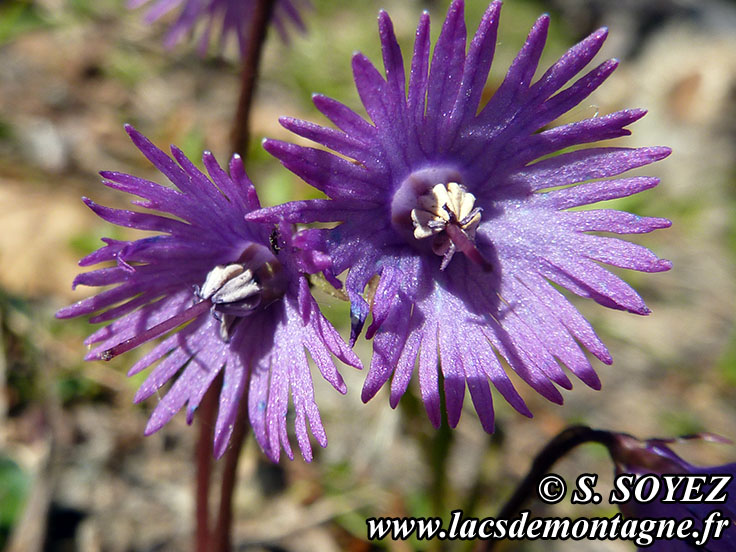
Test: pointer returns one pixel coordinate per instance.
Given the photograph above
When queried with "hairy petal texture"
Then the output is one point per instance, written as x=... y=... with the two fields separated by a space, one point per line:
x=234 y=17
x=158 y=278
x=492 y=302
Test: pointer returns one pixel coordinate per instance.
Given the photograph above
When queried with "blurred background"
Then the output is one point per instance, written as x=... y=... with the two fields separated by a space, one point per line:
x=76 y=472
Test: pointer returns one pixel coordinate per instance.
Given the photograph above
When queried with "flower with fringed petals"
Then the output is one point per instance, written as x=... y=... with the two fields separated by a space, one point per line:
x=235 y=289
x=235 y=17
x=465 y=214
x=710 y=489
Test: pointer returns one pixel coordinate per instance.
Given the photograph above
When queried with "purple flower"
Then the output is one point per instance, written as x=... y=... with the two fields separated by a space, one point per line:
x=241 y=287
x=654 y=458
x=462 y=212
x=235 y=17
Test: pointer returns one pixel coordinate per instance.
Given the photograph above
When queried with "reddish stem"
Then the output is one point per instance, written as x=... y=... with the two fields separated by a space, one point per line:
x=559 y=446
x=221 y=539
x=240 y=133
x=207 y=413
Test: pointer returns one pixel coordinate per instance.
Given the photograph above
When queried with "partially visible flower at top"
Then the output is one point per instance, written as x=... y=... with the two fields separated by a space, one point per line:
x=234 y=16
x=239 y=285
x=654 y=457
x=463 y=213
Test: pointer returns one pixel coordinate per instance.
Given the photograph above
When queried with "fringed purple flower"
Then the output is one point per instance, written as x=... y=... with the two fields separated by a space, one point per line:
x=716 y=532
x=241 y=288
x=233 y=16
x=463 y=214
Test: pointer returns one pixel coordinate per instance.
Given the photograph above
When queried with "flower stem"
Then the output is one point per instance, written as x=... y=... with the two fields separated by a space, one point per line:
x=558 y=447
x=207 y=413
x=240 y=133
x=221 y=539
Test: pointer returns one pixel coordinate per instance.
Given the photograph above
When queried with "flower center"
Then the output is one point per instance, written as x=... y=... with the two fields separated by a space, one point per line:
x=236 y=290
x=439 y=210
x=230 y=292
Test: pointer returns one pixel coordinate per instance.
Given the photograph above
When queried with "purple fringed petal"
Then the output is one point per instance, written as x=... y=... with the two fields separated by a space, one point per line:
x=394 y=64
x=206 y=365
x=106 y=298
x=278 y=400
x=158 y=288
x=386 y=294
x=326 y=172
x=490 y=366
x=457 y=294
x=321 y=339
x=477 y=66
x=162 y=162
x=448 y=60
x=190 y=386
x=233 y=385
x=208 y=192
x=593 y=192
x=428 y=373
x=570 y=64
x=608 y=220
x=599 y=284
x=124 y=308
x=550 y=330
x=563 y=101
x=333 y=139
x=622 y=254
x=259 y=382
x=526 y=367
x=237 y=187
x=101 y=277
x=387 y=346
x=583 y=132
x=106 y=253
x=344 y=118
x=578 y=326
x=480 y=392
x=518 y=77
x=245 y=189
x=233 y=17
x=582 y=165
x=371 y=88
x=285 y=371
x=310 y=210
x=419 y=72
x=159 y=197
x=453 y=370
x=407 y=362
x=189 y=342
x=141 y=221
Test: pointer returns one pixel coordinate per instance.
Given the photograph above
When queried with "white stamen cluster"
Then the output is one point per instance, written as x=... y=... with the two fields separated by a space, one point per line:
x=445 y=204
x=233 y=291
x=229 y=284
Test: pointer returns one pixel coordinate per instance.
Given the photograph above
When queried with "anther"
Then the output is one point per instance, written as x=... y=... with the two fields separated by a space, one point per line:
x=230 y=292
x=233 y=292
x=448 y=213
